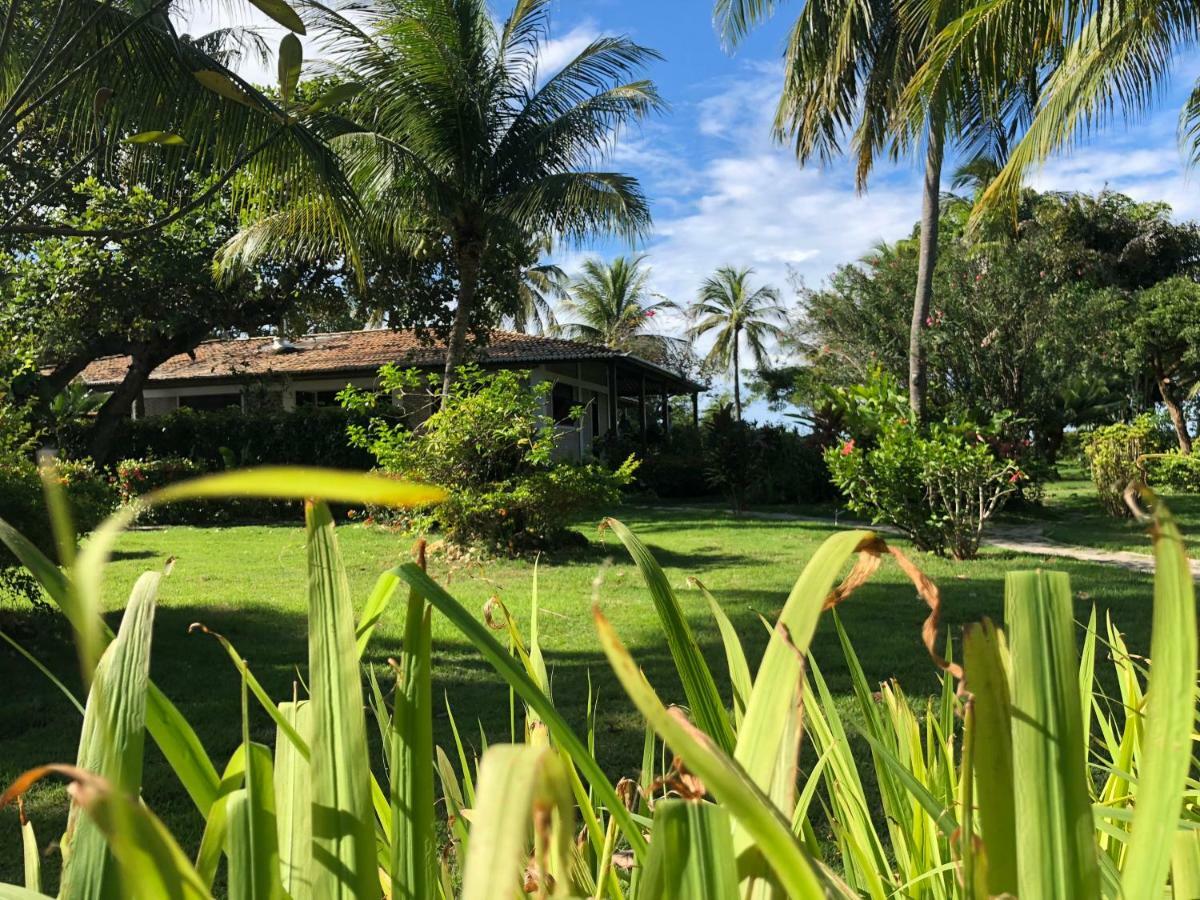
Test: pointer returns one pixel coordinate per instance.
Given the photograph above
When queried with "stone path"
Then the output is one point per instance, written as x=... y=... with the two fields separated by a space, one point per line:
x=1026 y=539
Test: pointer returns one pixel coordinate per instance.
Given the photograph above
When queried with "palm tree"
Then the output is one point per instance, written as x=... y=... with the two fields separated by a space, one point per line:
x=611 y=304
x=96 y=87
x=1099 y=58
x=460 y=140
x=847 y=63
x=727 y=305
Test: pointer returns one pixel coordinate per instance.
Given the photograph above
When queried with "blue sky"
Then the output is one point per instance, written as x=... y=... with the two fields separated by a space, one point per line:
x=723 y=192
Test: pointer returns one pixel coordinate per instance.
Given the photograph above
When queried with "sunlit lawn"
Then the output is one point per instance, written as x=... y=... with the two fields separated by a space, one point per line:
x=1071 y=514
x=249 y=584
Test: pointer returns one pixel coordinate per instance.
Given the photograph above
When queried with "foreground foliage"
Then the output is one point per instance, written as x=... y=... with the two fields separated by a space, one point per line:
x=1014 y=811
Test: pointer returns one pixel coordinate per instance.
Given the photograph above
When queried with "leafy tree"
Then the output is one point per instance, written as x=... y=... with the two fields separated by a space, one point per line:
x=846 y=66
x=612 y=304
x=108 y=86
x=1163 y=336
x=460 y=141
x=1027 y=320
x=150 y=297
x=1098 y=59
x=727 y=306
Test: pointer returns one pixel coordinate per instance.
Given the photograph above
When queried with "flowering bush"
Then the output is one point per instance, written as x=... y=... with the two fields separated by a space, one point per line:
x=939 y=485
x=491 y=445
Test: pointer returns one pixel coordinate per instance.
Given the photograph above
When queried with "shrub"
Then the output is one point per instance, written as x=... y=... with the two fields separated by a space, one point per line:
x=228 y=438
x=1018 y=777
x=939 y=485
x=1174 y=472
x=135 y=477
x=491 y=445
x=1114 y=454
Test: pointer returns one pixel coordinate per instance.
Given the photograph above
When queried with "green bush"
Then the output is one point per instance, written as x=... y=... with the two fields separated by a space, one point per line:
x=938 y=484
x=1174 y=472
x=227 y=438
x=1114 y=454
x=491 y=445
x=135 y=477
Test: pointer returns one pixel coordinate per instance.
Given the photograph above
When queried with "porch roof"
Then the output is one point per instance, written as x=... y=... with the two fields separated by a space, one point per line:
x=357 y=353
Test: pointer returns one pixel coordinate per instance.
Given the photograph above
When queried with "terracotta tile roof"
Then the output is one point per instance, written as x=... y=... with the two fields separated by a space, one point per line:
x=342 y=351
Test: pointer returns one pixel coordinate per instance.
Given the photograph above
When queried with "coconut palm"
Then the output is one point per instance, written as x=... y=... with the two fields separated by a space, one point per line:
x=847 y=63
x=727 y=306
x=108 y=87
x=612 y=304
x=1100 y=58
x=461 y=139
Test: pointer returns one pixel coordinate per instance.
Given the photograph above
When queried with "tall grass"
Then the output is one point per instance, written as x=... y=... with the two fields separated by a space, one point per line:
x=1023 y=777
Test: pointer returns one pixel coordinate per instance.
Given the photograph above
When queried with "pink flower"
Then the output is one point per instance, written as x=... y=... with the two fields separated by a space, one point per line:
x=649 y=314
x=978 y=278
x=1016 y=476
x=848 y=447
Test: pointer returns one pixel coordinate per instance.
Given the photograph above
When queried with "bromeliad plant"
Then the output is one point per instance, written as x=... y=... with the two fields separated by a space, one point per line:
x=1021 y=779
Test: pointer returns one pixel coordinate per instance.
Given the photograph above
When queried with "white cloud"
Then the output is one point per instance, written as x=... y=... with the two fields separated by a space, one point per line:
x=557 y=52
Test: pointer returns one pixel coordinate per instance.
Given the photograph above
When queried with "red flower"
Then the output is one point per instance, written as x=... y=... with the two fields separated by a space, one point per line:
x=1016 y=476
x=848 y=447
x=649 y=314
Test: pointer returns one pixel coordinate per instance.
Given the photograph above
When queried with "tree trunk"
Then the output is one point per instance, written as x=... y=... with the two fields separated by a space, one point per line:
x=1178 y=419
x=117 y=406
x=470 y=254
x=918 y=376
x=737 y=377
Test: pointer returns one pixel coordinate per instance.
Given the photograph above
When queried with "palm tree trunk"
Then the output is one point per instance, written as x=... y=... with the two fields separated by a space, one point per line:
x=737 y=376
x=918 y=375
x=1178 y=419
x=470 y=254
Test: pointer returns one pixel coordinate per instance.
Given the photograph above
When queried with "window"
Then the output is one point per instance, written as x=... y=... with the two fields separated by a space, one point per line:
x=317 y=398
x=595 y=404
x=561 y=402
x=208 y=402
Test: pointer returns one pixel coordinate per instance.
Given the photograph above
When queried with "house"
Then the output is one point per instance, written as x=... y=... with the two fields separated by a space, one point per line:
x=615 y=388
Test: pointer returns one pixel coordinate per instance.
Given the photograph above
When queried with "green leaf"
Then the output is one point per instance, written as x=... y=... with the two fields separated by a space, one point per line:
x=991 y=723
x=291 y=59
x=704 y=701
x=768 y=741
x=111 y=745
x=729 y=783
x=343 y=861
x=32 y=856
x=1185 y=864
x=221 y=84
x=519 y=784
x=252 y=843
x=735 y=657
x=1056 y=849
x=691 y=854
x=281 y=12
x=293 y=803
x=501 y=660
x=377 y=604
x=162 y=138
x=216 y=824
x=336 y=95
x=413 y=852
x=1165 y=756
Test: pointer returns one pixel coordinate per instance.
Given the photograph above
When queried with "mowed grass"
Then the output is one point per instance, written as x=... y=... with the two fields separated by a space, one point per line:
x=1072 y=514
x=249 y=584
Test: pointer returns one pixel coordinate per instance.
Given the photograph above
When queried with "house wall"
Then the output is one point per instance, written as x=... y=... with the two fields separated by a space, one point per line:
x=587 y=381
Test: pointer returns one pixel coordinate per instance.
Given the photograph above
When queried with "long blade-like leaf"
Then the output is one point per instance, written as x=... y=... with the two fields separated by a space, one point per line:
x=343 y=861
x=1056 y=851
x=703 y=698
x=692 y=853
x=1165 y=755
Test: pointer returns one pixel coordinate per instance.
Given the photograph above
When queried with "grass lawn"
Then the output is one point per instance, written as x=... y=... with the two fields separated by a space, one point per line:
x=249 y=584
x=1072 y=515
